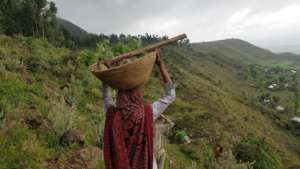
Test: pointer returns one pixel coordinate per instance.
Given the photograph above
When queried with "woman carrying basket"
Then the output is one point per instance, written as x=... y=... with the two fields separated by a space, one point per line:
x=128 y=133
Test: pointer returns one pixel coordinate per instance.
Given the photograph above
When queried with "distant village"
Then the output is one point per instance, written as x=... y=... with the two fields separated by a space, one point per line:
x=275 y=79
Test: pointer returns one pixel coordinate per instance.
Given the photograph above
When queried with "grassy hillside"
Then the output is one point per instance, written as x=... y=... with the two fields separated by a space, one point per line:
x=215 y=105
x=246 y=52
x=221 y=88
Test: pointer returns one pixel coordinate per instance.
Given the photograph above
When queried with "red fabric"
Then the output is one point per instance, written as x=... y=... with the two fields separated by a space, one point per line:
x=128 y=133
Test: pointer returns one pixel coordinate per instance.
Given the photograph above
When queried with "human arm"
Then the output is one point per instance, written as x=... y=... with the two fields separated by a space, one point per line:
x=162 y=68
x=169 y=97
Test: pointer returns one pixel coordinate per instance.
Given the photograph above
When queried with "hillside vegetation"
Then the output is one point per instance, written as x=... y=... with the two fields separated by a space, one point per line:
x=215 y=105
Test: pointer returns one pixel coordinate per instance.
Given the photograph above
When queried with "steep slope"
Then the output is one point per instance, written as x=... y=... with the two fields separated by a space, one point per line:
x=215 y=105
x=215 y=85
x=74 y=30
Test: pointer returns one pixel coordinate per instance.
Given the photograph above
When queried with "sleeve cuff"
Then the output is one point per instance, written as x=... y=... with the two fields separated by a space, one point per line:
x=169 y=86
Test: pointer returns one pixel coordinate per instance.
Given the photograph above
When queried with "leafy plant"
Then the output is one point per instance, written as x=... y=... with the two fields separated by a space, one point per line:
x=105 y=50
x=257 y=151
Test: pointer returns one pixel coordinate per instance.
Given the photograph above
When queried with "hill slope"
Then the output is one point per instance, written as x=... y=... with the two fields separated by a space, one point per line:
x=74 y=30
x=215 y=105
x=245 y=52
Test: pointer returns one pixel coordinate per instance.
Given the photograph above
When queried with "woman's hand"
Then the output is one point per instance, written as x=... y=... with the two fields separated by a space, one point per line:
x=159 y=62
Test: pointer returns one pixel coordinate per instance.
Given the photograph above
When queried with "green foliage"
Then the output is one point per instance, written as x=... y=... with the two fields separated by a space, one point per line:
x=258 y=151
x=86 y=57
x=42 y=70
x=104 y=50
x=35 y=18
x=60 y=87
x=21 y=149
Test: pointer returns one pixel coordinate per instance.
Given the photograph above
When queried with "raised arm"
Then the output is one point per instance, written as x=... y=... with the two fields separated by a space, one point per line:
x=107 y=99
x=161 y=65
x=162 y=103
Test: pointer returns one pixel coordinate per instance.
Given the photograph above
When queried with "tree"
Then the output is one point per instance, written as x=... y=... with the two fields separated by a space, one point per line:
x=35 y=18
x=1 y=26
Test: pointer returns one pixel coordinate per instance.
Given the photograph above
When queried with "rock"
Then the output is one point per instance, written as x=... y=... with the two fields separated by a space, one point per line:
x=85 y=158
x=53 y=163
x=33 y=107
x=39 y=122
x=218 y=151
x=69 y=100
x=73 y=136
x=65 y=86
x=295 y=167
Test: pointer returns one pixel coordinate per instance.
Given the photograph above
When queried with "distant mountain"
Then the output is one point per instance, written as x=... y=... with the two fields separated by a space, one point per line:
x=235 y=49
x=242 y=51
x=285 y=48
x=75 y=30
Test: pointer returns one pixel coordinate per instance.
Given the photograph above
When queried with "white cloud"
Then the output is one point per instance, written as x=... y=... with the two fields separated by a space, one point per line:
x=238 y=16
x=262 y=22
x=281 y=19
x=159 y=25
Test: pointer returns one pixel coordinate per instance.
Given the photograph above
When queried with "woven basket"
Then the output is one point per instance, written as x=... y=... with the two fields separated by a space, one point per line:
x=129 y=75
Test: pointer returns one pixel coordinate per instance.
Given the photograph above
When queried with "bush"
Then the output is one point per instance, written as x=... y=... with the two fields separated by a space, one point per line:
x=106 y=51
x=21 y=149
x=258 y=151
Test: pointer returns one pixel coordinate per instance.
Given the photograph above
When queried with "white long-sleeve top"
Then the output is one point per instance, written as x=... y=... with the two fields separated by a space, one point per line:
x=158 y=107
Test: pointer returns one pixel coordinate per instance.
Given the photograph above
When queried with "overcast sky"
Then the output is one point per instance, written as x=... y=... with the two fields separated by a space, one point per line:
x=267 y=23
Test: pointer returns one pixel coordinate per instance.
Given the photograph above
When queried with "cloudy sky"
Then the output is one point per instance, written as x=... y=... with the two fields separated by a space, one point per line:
x=272 y=24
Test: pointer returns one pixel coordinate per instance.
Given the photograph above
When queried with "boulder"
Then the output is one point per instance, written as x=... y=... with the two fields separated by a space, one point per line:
x=85 y=158
x=39 y=122
x=72 y=136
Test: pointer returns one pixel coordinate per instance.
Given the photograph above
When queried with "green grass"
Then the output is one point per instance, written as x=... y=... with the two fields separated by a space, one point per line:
x=214 y=103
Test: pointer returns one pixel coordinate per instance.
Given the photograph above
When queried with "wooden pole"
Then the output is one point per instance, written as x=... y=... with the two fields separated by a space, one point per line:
x=145 y=49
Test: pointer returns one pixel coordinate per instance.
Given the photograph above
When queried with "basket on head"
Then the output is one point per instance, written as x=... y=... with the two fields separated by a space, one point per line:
x=129 y=75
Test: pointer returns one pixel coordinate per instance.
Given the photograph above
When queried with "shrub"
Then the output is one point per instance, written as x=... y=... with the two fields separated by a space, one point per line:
x=21 y=149
x=258 y=151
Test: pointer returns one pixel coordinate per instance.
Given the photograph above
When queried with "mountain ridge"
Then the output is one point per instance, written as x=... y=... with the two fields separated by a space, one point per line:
x=75 y=30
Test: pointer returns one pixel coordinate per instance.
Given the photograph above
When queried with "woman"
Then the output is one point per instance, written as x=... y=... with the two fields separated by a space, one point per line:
x=128 y=133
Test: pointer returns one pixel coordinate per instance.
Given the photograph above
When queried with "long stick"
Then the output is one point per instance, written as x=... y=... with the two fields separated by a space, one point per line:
x=146 y=49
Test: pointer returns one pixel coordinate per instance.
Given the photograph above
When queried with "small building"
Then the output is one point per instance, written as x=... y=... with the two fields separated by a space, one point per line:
x=293 y=71
x=280 y=108
x=273 y=86
x=296 y=119
x=294 y=125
